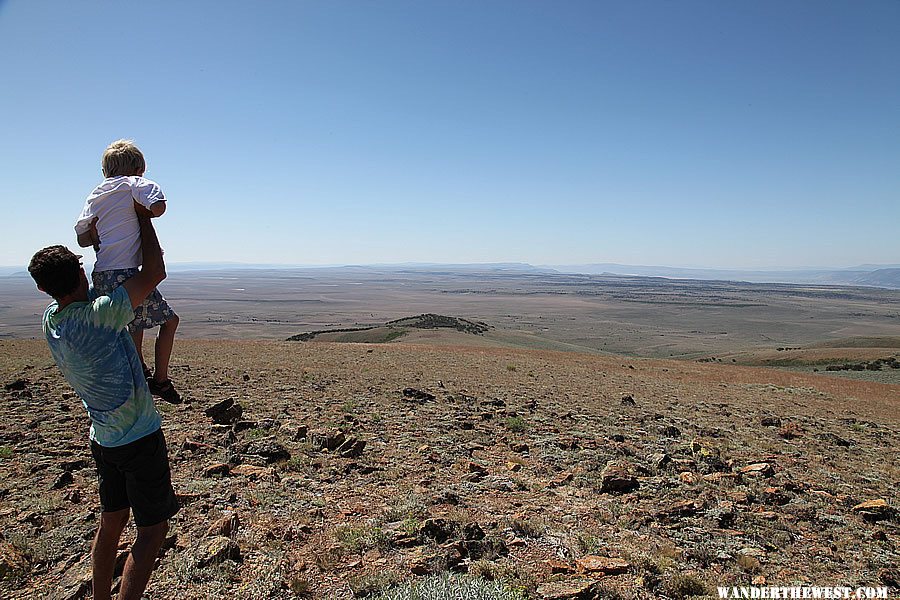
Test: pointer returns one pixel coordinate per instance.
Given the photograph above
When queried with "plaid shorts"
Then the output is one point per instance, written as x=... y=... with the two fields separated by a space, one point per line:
x=153 y=312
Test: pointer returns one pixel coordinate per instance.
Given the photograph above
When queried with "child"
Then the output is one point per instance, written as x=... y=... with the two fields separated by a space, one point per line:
x=109 y=224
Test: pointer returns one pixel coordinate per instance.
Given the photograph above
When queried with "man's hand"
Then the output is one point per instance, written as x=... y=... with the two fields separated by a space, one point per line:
x=142 y=211
x=95 y=236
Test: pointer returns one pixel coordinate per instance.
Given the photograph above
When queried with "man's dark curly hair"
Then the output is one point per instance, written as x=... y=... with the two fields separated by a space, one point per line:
x=56 y=270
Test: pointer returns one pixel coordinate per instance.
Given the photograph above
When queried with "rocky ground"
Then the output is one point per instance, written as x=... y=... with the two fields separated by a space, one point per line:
x=338 y=470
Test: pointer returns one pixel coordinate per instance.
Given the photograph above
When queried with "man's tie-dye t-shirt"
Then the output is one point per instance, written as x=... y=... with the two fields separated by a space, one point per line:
x=96 y=355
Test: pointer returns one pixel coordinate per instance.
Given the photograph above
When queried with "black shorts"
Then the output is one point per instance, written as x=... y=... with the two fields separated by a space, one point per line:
x=137 y=475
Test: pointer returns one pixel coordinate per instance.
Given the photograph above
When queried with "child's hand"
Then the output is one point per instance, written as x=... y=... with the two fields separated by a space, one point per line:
x=95 y=236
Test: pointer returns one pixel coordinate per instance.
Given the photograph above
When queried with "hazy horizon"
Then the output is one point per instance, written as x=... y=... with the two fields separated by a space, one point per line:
x=775 y=268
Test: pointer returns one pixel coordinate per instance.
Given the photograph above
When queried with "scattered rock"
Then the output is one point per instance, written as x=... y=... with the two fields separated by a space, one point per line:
x=617 y=478
x=835 y=439
x=225 y=412
x=225 y=526
x=65 y=479
x=572 y=589
x=244 y=425
x=758 y=469
x=602 y=564
x=475 y=468
x=559 y=567
x=679 y=510
x=670 y=431
x=874 y=510
x=424 y=562
x=190 y=445
x=327 y=440
x=217 y=550
x=487 y=548
x=267 y=448
x=439 y=530
x=890 y=576
x=217 y=469
x=16 y=385
x=76 y=582
x=11 y=561
x=561 y=479
x=774 y=496
x=519 y=447
x=790 y=431
x=659 y=460
x=418 y=396
x=473 y=531
x=254 y=472
x=74 y=465
x=351 y=448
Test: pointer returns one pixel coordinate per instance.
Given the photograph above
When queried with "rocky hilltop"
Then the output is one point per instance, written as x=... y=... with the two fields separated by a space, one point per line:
x=347 y=470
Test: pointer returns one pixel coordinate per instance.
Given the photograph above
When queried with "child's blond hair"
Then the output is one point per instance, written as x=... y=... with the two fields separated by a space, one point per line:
x=123 y=158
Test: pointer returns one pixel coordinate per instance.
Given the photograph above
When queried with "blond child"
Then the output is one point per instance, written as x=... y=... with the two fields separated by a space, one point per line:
x=108 y=223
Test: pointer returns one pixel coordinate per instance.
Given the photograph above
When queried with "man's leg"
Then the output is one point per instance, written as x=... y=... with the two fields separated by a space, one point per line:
x=164 y=343
x=140 y=562
x=103 y=553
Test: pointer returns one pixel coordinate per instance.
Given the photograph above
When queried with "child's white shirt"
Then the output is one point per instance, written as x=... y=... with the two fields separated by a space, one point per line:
x=112 y=203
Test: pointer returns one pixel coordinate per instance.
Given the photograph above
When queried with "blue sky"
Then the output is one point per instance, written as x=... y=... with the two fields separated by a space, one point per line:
x=714 y=134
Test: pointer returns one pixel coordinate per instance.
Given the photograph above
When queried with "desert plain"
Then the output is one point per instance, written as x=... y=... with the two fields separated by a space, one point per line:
x=596 y=437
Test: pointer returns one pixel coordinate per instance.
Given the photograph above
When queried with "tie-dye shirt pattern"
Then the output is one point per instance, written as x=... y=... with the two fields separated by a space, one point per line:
x=96 y=355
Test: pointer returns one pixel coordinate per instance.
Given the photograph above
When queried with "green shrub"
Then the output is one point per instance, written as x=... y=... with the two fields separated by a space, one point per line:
x=684 y=586
x=359 y=538
x=516 y=424
x=450 y=587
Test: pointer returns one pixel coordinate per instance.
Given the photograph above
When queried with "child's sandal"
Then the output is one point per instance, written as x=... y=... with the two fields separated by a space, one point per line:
x=165 y=390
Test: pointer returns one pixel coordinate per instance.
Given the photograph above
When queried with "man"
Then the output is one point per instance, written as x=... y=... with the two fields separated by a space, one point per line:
x=90 y=343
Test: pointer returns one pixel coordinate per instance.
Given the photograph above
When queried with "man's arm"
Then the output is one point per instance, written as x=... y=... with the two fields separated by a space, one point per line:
x=153 y=270
x=90 y=237
x=158 y=208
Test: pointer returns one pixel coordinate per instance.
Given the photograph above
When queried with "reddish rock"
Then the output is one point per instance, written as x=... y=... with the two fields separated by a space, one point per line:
x=617 y=478
x=11 y=561
x=217 y=550
x=573 y=589
x=253 y=472
x=225 y=526
x=758 y=469
x=874 y=510
x=217 y=469
x=561 y=479
x=557 y=566
x=602 y=564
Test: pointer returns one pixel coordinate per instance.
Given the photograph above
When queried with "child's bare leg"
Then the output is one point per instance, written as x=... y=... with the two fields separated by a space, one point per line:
x=164 y=343
x=138 y=336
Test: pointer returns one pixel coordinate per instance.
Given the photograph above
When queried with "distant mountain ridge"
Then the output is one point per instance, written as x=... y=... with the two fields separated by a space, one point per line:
x=883 y=276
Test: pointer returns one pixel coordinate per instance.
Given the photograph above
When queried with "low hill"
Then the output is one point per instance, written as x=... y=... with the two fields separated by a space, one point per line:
x=338 y=470
x=393 y=330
